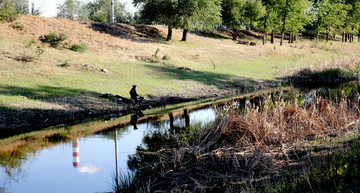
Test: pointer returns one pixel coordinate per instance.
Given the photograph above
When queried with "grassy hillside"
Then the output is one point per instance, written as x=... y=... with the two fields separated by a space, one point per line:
x=204 y=66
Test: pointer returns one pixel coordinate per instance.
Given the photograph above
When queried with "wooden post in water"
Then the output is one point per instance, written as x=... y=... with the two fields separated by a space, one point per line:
x=116 y=159
x=171 y=117
x=187 y=118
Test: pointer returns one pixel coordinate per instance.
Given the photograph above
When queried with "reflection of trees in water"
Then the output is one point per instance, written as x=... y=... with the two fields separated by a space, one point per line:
x=12 y=163
x=160 y=138
x=153 y=141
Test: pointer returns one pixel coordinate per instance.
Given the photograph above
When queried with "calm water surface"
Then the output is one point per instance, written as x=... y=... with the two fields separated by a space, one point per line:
x=87 y=164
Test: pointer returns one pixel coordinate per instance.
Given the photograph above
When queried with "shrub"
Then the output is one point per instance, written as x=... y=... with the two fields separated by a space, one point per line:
x=64 y=64
x=18 y=25
x=81 y=47
x=53 y=39
x=166 y=57
x=39 y=50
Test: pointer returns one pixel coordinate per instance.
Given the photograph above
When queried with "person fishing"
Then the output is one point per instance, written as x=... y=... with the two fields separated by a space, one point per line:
x=134 y=96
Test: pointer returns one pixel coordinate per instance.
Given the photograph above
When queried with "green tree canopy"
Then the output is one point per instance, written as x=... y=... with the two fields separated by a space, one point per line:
x=238 y=14
x=99 y=11
x=330 y=15
x=70 y=9
x=184 y=14
x=9 y=9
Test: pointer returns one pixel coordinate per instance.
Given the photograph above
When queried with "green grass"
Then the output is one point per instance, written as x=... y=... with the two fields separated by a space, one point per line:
x=218 y=66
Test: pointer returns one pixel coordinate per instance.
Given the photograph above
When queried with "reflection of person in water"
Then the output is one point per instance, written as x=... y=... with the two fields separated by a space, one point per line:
x=135 y=117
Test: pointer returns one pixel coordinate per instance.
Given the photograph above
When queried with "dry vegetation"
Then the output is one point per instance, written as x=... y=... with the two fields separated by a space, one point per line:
x=247 y=152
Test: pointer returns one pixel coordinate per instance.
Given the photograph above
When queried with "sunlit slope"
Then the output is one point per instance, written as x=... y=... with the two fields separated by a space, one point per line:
x=120 y=55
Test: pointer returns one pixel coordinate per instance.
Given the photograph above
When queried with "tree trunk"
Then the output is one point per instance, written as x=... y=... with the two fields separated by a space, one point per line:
x=169 y=35
x=289 y=38
x=234 y=34
x=292 y=38
x=359 y=36
x=185 y=31
x=346 y=37
x=282 y=38
x=272 y=37
x=284 y=23
x=264 y=38
x=327 y=36
x=343 y=37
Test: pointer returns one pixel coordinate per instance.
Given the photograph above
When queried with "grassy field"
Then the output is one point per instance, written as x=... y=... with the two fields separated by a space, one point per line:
x=201 y=67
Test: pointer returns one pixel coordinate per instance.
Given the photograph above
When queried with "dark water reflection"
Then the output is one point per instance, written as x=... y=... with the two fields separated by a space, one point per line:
x=85 y=165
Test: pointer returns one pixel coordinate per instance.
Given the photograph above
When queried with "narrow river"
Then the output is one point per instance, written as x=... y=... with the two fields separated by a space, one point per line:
x=87 y=164
x=90 y=164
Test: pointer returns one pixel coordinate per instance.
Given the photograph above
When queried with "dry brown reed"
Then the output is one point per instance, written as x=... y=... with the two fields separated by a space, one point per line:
x=243 y=149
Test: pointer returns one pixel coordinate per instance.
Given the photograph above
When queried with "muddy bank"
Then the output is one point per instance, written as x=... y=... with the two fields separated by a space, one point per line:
x=73 y=110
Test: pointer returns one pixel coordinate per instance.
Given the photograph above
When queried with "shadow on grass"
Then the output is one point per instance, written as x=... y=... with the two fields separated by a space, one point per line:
x=44 y=92
x=210 y=34
x=127 y=32
x=76 y=104
x=221 y=81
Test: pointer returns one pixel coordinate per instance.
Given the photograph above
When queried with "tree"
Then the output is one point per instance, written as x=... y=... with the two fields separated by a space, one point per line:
x=330 y=16
x=299 y=16
x=158 y=11
x=352 y=20
x=70 y=10
x=100 y=10
x=9 y=9
x=237 y=14
x=198 y=15
x=184 y=14
x=270 y=22
x=294 y=15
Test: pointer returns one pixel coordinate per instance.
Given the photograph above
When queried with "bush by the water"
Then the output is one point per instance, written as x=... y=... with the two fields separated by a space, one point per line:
x=53 y=39
x=81 y=47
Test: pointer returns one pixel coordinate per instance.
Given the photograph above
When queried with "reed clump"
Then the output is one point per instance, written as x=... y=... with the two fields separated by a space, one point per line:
x=264 y=144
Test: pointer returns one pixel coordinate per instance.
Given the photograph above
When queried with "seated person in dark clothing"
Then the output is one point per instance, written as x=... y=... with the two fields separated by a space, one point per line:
x=134 y=96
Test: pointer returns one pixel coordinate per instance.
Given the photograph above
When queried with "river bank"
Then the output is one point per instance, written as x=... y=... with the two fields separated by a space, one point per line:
x=81 y=109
